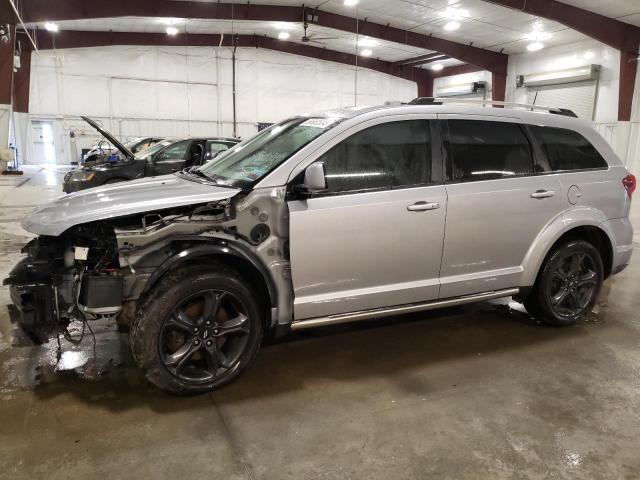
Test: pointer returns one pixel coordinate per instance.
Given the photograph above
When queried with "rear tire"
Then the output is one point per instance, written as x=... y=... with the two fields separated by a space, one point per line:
x=568 y=285
x=198 y=330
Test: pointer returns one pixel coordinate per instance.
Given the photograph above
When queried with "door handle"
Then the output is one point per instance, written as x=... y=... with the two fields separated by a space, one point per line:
x=422 y=206
x=543 y=194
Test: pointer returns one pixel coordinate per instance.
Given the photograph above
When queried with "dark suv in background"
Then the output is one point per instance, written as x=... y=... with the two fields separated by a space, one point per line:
x=166 y=156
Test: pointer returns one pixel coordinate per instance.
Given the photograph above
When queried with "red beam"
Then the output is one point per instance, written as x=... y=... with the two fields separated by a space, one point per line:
x=6 y=69
x=40 y=11
x=78 y=39
x=422 y=59
x=21 y=83
x=456 y=70
x=628 y=72
x=498 y=87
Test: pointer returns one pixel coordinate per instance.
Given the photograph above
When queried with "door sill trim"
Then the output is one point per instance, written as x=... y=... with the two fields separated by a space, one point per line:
x=401 y=309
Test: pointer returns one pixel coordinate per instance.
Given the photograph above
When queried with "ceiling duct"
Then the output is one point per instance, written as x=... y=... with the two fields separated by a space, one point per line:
x=583 y=73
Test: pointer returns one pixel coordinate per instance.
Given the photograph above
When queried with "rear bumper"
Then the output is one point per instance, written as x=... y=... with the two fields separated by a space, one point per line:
x=621 y=233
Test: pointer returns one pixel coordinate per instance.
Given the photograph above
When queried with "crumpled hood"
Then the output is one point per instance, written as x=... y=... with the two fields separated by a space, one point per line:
x=119 y=200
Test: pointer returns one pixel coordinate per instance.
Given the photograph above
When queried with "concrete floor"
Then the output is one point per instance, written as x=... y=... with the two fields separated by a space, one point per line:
x=475 y=392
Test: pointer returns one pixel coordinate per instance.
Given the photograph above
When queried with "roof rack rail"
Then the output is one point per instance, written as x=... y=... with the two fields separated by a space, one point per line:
x=473 y=101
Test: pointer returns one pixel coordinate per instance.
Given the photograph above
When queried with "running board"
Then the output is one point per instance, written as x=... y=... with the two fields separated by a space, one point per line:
x=400 y=309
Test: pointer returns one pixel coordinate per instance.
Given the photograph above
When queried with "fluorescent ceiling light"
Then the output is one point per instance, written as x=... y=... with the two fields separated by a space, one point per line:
x=537 y=36
x=284 y=35
x=451 y=26
x=51 y=27
x=589 y=55
x=436 y=67
x=350 y=3
x=366 y=52
x=535 y=46
x=367 y=42
x=170 y=21
x=454 y=13
x=172 y=30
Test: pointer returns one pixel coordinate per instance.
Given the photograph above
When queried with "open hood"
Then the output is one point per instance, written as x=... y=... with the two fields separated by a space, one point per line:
x=114 y=141
x=119 y=200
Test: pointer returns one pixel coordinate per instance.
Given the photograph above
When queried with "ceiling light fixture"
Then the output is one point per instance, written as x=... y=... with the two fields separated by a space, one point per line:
x=367 y=52
x=367 y=42
x=51 y=27
x=284 y=35
x=436 y=67
x=451 y=26
x=350 y=3
x=172 y=31
x=535 y=46
x=170 y=21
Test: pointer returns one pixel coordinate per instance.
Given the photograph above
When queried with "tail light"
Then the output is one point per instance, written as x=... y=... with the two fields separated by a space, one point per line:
x=629 y=184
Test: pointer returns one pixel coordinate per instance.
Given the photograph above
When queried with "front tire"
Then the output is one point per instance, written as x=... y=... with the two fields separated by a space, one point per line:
x=567 y=288
x=198 y=330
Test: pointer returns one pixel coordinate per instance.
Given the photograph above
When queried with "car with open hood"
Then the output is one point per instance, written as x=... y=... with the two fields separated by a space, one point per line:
x=329 y=218
x=103 y=149
x=165 y=156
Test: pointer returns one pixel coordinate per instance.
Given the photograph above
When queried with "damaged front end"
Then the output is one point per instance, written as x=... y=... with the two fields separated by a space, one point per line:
x=103 y=268
x=75 y=276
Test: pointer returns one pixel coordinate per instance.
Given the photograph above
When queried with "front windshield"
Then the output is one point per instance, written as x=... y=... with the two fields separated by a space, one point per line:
x=249 y=161
x=153 y=149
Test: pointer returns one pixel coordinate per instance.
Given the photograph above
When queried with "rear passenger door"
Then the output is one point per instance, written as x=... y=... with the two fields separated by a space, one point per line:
x=498 y=203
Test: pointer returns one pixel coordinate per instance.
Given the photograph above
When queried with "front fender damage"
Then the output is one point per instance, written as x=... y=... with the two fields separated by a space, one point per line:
x=103 y=269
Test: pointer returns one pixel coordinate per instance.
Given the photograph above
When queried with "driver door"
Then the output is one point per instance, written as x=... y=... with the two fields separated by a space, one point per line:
x=374 y=239
x=169 y=160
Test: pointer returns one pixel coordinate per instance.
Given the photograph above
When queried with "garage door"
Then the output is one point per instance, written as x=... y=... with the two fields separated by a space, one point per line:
x=579 y=97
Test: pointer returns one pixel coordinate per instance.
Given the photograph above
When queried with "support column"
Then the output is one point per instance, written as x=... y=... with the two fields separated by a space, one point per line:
x=498 y=86
x=6 y=80
x=21 y=85
x=425 y=87
x=628 y=71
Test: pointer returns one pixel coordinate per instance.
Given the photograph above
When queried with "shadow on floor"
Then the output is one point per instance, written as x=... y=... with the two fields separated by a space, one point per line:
x=343 y=353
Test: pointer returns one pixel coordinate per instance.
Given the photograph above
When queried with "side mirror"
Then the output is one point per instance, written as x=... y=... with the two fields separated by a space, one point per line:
x=315 y=178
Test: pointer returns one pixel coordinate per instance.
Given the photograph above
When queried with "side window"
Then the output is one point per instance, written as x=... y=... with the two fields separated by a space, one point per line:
x=390 y=155
x=482 y=150
x=214 y=148
x=174 y=152
x=567 y=150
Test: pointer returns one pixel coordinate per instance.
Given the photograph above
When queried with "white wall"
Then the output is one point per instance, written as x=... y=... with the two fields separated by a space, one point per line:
x=568 y=56
x=175 y=91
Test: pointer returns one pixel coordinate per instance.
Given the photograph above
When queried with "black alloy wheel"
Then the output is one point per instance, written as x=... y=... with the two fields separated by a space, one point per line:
x=204 y=336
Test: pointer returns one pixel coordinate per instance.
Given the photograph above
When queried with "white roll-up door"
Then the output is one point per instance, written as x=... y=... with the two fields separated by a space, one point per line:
x=578 y=97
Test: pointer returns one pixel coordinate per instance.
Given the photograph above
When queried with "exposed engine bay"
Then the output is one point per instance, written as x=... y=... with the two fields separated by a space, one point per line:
x=103 y=268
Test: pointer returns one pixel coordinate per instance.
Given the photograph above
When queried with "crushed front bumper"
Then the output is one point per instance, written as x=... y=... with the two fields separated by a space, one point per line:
x=34 y=306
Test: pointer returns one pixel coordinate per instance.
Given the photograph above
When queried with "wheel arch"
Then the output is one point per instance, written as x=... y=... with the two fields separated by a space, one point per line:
x=188 y=251
x=584 y=224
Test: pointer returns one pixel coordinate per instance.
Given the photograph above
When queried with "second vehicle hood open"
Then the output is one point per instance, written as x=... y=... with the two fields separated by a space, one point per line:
x=119 y=200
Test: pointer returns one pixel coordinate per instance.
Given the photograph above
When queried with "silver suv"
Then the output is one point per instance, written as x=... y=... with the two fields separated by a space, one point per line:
x=328 y=218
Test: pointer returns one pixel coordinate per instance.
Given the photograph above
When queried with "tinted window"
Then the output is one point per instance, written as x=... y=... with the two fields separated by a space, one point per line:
x=481 y=150
x=396 y=154
x=568 y=150
x=177 y=151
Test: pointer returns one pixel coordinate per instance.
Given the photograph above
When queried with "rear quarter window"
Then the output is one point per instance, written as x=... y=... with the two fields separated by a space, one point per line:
x=567 y=150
